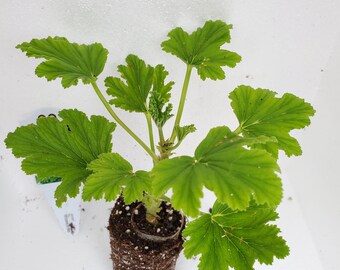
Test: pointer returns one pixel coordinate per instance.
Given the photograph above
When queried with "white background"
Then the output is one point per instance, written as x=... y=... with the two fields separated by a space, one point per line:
x=289 y=46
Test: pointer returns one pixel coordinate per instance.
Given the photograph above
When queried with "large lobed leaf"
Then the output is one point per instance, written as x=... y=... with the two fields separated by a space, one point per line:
x=222 y=164
x=69 y=61
x=202 y=49
x=228 y=238
x=62 y=148
x=114 y=175
x=132 y=95
x=259 y=112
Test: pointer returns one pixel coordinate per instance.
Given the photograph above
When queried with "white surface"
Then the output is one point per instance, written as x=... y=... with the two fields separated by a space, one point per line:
x=286 y=46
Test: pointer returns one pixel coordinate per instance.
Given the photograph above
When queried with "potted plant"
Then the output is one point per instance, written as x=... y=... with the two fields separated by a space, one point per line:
x=240 y=166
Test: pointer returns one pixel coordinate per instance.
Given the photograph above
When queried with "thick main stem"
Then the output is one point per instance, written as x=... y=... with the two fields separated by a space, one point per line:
x=121 y=123
x=182 y=101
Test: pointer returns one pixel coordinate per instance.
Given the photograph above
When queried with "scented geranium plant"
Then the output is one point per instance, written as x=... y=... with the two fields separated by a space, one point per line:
x=238 y=164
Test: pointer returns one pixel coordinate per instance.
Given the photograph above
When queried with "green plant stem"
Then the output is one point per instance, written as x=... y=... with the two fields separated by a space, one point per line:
x=152 y=205
x=121 y=123
x=149 y=121
x=176 y=145
x=182 y=101
x=238 y=130
x=161 y=135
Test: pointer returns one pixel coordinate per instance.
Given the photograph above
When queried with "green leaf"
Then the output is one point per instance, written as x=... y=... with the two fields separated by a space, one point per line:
x=228 y=238
x=222 y=164
x=69 y=61
x=182 y=132
x=114 y=175
x=132 y=95
x=159 y=85
x=185 y=180
x=259 y=112
x=202 y=49
x=54 y=148
x=160 y=95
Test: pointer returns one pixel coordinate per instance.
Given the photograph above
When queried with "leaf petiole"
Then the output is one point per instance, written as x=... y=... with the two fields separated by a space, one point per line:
x=161 y=135
x=238 y=130
x=149 y=121
x=181 y=102
x=121 y=123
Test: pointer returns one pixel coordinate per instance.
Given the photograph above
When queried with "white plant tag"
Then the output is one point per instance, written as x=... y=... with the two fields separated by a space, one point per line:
x=69 y=214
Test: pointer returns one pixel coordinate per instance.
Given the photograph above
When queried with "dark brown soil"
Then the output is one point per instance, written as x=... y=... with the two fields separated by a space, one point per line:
x=131 y=250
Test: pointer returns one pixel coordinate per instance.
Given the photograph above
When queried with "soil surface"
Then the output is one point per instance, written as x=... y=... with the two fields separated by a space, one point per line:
x=131 y=250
